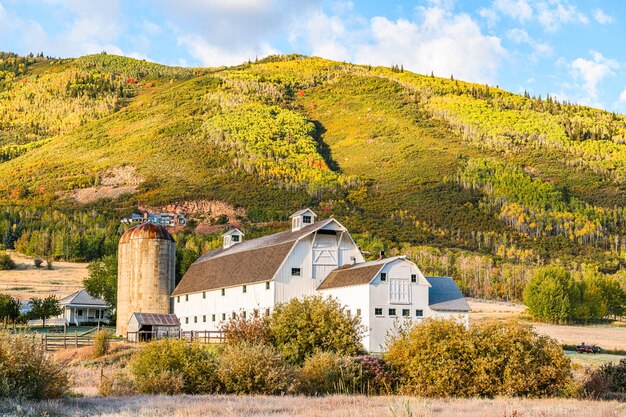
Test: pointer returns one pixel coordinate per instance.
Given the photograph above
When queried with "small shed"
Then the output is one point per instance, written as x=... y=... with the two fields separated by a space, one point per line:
x=152 y=326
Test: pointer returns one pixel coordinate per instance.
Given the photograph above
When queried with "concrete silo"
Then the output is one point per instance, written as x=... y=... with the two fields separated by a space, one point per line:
x=146 y=273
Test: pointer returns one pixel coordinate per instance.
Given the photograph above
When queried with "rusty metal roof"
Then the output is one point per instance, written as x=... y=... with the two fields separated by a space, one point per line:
x=146 y=231
x=153 y=319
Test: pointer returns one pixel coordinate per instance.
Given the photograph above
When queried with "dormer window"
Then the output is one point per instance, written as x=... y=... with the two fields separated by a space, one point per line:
x=302 y=218
x=232 y=237
x=383 y=276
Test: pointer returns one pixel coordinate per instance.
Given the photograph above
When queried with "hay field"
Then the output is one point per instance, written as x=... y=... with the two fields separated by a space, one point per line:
x=26 y=281
x=606 y=336
x=330 y=406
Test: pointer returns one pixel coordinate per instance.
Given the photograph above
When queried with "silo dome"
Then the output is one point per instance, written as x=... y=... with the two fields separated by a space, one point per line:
x=146 y=268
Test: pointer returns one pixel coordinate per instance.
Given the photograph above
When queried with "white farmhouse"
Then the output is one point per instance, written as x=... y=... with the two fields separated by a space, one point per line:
x=314 y=257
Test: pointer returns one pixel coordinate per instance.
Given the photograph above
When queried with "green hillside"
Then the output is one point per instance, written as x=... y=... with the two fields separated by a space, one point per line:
x=469 y=180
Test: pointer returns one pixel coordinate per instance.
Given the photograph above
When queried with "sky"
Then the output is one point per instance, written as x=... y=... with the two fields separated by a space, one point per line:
x=573 y=50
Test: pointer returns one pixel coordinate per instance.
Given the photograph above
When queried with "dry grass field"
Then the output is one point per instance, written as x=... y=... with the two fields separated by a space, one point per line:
x=611 y=337
x=330 y=406
x=26 y=281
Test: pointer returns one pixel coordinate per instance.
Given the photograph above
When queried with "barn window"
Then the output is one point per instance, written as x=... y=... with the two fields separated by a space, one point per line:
x=419 y=313
x=295 y=272
x=378 y=311
x=383 y=276
x=178 y=299
x=413 y=278
x=243 y=314
x=358 y=311
x=195 y=319
x=212 y=317
x=204 y=319
x=349 y=312
x=306 y=219
x=186 y=297
x=406 y=312
x=186 y=320
x=245 y=289
x=392 y=311
x=267 y=311
x=234 y=315
x=203 y=294
x=223 y=316
x=234 y=238
x=223 y=291
x=267 y=285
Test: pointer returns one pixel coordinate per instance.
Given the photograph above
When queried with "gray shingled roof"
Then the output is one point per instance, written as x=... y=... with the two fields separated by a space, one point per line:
x=444 y=295
x=82 y=298
x=153 y=319
x=355 y=274
x=250 y=261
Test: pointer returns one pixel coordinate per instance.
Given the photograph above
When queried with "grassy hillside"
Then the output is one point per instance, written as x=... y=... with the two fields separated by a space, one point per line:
x=467 y=179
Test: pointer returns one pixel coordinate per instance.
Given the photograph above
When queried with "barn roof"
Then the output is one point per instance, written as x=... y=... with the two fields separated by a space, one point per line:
x=82 y=298
x=153 y=319
x=355 y=274
x=444 y=295
x=250 y=261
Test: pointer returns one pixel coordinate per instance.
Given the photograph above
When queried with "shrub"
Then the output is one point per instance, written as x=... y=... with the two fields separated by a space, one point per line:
x=102 y=342
x=615 y=374
x=38 y=262
x=324 y=373
x=303 y=326
x=442 y=358
x=6 y=262
x=373 y=376
x=595 y=384
x=117 y=385
x=254 y=330
x=27 y=371
x=254 y=369
x=174 y=366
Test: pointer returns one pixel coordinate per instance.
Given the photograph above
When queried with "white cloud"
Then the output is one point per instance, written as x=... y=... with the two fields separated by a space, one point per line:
x=556 y=13
x=520 y=36
x=592 y=72
x=622 y=96
x=214 y=55
x=601 y=17
x=551 y=14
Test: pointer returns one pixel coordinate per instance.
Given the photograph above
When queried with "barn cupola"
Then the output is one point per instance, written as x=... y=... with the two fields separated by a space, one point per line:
x=302 y=218
x=232 y=237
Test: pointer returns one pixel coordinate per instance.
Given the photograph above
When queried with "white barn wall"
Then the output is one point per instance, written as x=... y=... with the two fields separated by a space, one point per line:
x=353 y=298
x=256 y=297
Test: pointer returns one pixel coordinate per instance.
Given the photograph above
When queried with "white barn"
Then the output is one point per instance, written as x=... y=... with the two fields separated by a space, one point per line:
x=314 y=257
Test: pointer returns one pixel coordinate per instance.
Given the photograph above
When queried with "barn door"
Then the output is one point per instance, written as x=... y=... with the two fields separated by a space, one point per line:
x=324 y=255
x=399 y=291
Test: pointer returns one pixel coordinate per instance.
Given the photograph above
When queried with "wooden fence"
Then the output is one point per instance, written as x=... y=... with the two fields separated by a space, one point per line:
x=63 y=341
x=202 y=336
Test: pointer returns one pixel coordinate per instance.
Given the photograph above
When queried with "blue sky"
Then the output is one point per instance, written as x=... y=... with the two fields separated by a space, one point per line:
x=573 y=50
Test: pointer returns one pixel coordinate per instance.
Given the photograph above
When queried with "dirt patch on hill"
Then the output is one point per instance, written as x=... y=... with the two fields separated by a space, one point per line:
x=91 y=194
x=205 y=212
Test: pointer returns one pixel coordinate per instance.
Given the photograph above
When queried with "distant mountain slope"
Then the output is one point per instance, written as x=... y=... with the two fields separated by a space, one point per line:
x=403 y=159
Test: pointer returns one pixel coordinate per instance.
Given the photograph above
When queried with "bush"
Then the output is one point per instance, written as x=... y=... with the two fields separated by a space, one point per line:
x=373 y=376
x=254 y=369
x=6 y=262
x=174 y=366
x=27 y=371
x=38 y=262
x=254 y=330
x=102 y=342
x=615 y=374
x=117 y=385
x=303 y=326
x=324 y=373
x=441 y=358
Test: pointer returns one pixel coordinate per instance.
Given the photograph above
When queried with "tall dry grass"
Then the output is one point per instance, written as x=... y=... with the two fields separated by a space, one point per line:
x=331 y=406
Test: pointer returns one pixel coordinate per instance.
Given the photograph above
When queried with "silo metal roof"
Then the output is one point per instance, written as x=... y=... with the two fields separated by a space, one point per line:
x=146 y=230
